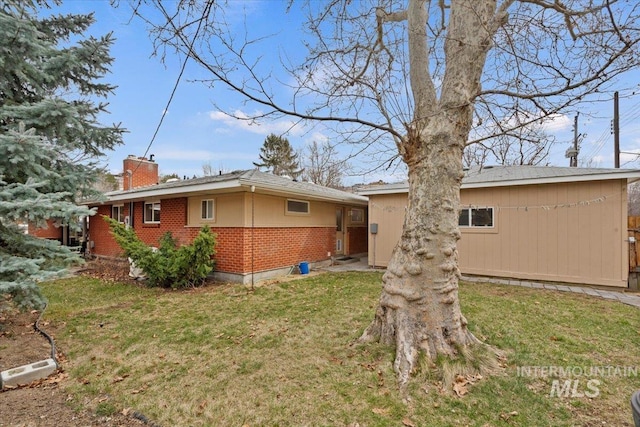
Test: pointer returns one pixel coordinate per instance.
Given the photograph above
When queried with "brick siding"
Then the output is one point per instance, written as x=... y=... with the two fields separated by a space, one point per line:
x=272 y=248
x=145 y=172
x=50 y=232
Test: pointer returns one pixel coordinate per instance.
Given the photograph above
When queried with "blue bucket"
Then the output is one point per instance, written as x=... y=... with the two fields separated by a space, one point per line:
x=304 y=268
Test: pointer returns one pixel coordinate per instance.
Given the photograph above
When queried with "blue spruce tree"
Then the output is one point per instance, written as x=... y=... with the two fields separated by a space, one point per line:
x=50 y=137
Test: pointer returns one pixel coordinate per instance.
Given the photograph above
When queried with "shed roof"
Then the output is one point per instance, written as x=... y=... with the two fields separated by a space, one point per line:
x=243 y=180
x=505 y=176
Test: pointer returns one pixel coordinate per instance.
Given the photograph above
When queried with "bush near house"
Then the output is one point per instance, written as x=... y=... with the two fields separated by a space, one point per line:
x=170 y=266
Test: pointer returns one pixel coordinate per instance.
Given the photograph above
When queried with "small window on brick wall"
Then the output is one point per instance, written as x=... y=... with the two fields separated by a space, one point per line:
x=117 y=213
x=297 y=207
x=208 y=210
x=152 y=212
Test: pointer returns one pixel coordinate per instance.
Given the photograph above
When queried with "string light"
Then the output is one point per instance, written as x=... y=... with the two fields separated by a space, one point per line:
x=525 y=208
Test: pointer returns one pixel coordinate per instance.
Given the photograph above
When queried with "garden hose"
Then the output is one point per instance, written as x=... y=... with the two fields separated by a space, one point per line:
x=36 y=326
x=137 y=415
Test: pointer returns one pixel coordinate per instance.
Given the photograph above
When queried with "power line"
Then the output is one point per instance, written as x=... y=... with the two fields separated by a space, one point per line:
x=173 y=91
x=627 y=117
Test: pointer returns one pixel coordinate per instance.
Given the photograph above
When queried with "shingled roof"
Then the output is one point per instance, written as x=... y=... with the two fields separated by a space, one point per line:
x=504 y=176
x=243 y=180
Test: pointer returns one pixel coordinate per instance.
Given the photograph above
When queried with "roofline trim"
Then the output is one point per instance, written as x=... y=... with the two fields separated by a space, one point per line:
x=147 y=193
x=404 y=187
x=353 y=198
x=239 y=183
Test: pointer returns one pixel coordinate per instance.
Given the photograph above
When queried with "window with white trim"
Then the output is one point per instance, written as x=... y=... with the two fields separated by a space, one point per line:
x=297 y=207
x=476 y=217
x=117 y=213
x=152 y=212
x=207 y=209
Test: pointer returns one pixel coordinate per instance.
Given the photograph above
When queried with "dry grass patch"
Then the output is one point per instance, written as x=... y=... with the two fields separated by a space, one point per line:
x=282 y=355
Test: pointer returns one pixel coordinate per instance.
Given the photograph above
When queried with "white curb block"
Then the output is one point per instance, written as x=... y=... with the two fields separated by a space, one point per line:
x=27 y=373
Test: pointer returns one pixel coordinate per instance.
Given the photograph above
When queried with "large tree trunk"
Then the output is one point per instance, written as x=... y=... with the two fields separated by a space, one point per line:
x=419 y=309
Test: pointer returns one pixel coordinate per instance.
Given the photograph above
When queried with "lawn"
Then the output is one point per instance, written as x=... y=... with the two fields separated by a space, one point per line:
x=283 y=355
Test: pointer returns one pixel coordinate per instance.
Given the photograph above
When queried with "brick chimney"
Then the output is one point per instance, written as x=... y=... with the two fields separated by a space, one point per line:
x=139 y=172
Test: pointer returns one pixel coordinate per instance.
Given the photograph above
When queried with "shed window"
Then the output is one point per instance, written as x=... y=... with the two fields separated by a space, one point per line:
x=476 y=217
x=152 y=212
x=297 y=206
x=207 y=209
x=117 y=213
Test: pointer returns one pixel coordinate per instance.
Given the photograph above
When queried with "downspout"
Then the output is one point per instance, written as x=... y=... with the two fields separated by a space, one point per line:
x=253 y=224
x=131 y=203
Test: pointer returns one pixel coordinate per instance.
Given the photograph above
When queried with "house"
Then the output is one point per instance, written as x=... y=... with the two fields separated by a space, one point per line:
x=556 y=224
x=265 y=224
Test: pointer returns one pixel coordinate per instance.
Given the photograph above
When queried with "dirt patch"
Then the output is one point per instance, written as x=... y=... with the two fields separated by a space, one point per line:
x=114 y=270
x=45 y=403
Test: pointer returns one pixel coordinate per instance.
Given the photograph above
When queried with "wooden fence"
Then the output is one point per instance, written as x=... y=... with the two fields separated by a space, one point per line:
x=633 y=226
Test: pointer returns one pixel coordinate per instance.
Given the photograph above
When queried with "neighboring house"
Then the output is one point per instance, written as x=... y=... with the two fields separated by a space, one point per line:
x=68 y=236
x=556 y=224
x=265 y=224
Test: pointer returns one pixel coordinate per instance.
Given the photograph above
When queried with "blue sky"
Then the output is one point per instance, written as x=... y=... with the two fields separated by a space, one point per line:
x=194 y=133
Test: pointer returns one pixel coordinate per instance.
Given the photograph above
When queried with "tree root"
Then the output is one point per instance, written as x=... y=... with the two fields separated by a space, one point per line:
x=452 y=368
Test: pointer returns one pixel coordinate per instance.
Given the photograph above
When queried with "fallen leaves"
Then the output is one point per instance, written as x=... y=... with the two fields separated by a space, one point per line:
x=460 y=386
x=381 y=411
x=138 y=390
x=201 y=408
x=52 y=380
x=335 y=360
x=119 y=378
x=505 y=416
x=407 y=422
x=461 y=383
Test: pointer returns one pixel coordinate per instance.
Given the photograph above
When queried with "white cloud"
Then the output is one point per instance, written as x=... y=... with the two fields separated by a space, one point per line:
x=556 y=123
x=242 y=121
x=318 y=137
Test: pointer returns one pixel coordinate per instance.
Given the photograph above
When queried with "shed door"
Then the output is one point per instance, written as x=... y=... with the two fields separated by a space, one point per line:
x=339 y=231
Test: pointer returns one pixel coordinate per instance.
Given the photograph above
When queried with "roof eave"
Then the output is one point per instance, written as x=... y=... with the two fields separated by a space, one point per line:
x=156 y=193
x=241 y=184
x=631 y=176
x=302 y=193
x=555 y=180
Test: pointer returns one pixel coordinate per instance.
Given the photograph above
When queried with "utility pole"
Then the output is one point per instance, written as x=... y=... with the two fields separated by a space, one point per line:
x=616 y=132
x=572 y=153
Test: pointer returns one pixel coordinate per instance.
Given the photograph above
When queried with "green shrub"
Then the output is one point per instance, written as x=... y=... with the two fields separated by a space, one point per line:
x=169 y=266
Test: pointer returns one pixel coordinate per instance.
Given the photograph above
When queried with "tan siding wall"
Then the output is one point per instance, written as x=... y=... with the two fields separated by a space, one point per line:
x=573 y=232
x=388 y=212
x=227 y=207
x=270 y=211
x=235 y=210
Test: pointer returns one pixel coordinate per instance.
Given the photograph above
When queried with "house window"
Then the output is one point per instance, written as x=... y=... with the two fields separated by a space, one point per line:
x=297 y=206
x=357 y=216
x=152 y=212
x=117 y=213
x=476 y=217
x=207 y=209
